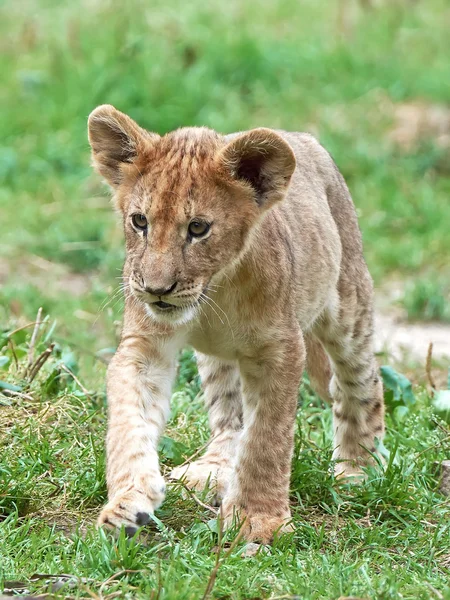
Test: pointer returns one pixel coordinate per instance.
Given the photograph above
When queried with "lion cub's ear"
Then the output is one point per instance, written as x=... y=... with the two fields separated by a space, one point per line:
x=261 y=159
x=115 y=140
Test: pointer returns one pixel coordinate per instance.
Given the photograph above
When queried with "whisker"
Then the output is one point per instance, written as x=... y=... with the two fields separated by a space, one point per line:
x=223 y=312
x=114 y=298
x=110 y=298
x=229 y=279
x=203 y=313
x=221 y=309
x=206 y=299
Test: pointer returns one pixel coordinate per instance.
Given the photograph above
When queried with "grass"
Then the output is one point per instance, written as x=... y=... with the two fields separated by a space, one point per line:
x=230 y=66
x=388 y=538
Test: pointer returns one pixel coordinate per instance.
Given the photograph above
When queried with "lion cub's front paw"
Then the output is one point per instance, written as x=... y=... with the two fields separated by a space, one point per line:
x=200 y=475
x=132 y=508
x=257 y=526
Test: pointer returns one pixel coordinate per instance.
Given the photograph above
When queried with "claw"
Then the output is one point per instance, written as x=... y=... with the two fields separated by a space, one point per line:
x=142 y=518
x=130 y=531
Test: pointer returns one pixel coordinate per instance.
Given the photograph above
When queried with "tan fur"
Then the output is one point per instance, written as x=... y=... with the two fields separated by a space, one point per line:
x=278 y=281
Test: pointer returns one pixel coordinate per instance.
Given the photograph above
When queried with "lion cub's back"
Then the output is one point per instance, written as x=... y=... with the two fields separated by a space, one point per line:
x=317 y=180
x=323 y=226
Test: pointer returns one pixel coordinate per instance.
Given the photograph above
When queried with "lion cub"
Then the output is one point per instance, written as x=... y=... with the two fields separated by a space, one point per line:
x=247 y=247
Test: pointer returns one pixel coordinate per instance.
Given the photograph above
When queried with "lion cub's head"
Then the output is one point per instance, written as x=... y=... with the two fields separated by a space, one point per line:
x=189 y=200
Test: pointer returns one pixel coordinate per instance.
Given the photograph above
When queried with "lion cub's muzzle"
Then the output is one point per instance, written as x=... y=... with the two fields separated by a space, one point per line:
x=173 y=303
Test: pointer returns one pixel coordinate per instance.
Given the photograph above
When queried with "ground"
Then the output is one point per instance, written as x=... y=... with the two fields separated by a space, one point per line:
x=374 y=85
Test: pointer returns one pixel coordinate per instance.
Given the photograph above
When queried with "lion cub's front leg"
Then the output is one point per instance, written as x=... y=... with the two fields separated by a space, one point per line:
x=139 y=383
x=259 y=490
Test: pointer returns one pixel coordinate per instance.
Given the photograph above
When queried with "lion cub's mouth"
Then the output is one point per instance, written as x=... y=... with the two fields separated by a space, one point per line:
x=165 y=305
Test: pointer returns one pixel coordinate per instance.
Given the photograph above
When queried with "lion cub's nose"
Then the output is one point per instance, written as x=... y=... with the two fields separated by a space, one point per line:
x=161 y=291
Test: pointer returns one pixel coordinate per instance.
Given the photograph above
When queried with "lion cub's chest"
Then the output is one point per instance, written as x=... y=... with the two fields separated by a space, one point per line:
x=218 y=339
x=223 y=329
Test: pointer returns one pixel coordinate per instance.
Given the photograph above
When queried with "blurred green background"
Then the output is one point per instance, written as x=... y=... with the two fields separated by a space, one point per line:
x=371 y=79
x=372 y=82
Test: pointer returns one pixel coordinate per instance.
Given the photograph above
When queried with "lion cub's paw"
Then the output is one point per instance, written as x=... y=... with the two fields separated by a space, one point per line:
x=132 y=508
x=201 y=475
x=352 y=471
x=349 y=472
x=257 y=527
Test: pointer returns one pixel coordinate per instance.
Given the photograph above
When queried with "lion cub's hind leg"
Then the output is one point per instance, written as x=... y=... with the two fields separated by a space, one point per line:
x=356 y=389
x=222 y=388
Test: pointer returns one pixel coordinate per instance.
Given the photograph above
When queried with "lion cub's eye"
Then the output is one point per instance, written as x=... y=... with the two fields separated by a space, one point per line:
x=139 y=221
x=198 y=228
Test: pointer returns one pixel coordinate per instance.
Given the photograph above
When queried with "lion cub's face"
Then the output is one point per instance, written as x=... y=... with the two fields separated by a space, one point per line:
x=189 y=201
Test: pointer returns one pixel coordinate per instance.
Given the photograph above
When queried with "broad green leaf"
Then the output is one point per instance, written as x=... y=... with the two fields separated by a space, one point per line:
x=213 y=525
x=407 y=393
x=399 y=385
x=4 y=385
x=382 y=449
x=69 y=360
x=390 y=381
x=174 y=451
x=4 y=361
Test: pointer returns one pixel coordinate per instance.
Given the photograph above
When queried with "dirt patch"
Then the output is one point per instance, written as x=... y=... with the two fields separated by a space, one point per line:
x=52 y=279
x=401 y=339
x=411 y=340
x=415 y=122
